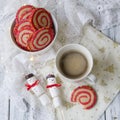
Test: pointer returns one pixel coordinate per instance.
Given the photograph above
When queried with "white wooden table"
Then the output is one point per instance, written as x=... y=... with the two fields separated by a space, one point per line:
x=113 y=111
x=8 y=111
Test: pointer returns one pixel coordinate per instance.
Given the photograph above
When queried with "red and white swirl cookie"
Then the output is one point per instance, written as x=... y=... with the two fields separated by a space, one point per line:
x=33 y=28
x=41 y=39
x=23 y=36
x=21 y=25
x=15 y=29
x=24 y=12
x=41 y=18
x=85 y=95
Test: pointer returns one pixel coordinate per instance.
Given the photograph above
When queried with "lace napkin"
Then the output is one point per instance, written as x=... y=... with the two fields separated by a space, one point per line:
x=105 y=12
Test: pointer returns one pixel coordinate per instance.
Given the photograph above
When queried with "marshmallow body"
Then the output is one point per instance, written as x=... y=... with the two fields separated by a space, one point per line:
x=57 y=101
x=53 y=88
x=45 y=100
x=54 y=92
x=38 y=90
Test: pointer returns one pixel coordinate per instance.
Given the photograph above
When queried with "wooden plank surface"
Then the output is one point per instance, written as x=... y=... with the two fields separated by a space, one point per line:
x=8 y=110
x=113 y=111
x=4 y=107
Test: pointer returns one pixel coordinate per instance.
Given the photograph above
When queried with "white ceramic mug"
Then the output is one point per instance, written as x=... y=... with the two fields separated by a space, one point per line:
x=84 y=51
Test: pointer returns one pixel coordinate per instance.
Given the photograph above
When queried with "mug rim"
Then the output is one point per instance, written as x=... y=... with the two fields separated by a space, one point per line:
x=78 y=79
x=39 y=51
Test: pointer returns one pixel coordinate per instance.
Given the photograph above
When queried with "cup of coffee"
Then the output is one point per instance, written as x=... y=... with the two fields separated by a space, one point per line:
x=74 y=63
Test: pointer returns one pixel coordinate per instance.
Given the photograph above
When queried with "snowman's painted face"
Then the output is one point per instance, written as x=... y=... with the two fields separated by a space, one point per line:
x=51 y=80
x=31 y=80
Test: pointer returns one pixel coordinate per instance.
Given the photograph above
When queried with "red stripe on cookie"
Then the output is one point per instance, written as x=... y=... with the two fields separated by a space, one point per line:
x=24 y=12
x=41 y=18
x=22 y=25
x=85 y=95
x=41 y=39
x=23 y=36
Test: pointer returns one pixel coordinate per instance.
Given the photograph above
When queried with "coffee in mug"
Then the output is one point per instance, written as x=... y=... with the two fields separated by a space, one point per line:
x=73 y=64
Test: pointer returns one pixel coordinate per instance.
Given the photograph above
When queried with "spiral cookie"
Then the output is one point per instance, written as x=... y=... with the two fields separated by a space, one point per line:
x=41 y=18
x=15 y=30
x=40 y=39
x=23 y=36
x=24 y=12
x=21 y=25
x=33 y=28
x=85 y=95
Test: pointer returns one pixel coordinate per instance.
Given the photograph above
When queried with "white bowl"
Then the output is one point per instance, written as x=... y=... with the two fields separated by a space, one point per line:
x=39 y=51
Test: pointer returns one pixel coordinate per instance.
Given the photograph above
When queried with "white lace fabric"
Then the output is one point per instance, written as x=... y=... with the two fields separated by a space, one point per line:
x=106 y=12
x=71 y=16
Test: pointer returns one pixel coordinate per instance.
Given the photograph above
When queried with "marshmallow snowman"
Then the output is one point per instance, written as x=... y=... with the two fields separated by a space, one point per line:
x=54 y=91
x=35 y=87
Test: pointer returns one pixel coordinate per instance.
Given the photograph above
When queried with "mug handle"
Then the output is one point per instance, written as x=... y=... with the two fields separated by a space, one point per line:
x=91 y=79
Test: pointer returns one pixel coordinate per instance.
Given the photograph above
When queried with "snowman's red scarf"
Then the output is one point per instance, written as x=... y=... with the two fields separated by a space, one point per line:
x=32 y=85
x=53 y=85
